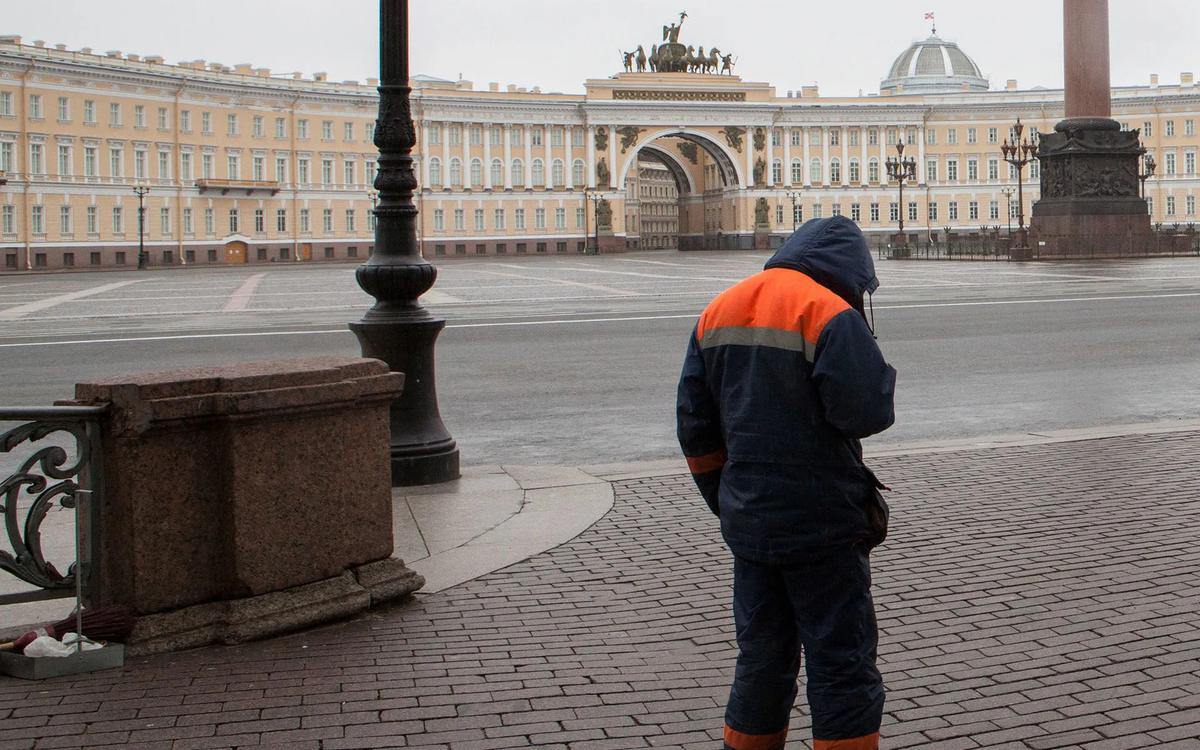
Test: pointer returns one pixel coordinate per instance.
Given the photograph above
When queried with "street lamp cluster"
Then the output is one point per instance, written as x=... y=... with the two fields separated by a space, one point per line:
x=901 y=170
x=1018 y=153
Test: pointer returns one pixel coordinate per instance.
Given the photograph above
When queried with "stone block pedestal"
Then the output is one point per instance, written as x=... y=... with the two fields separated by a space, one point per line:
x=246 y=500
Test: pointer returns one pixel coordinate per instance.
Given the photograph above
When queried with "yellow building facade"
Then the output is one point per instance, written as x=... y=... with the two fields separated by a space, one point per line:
x=244 y=166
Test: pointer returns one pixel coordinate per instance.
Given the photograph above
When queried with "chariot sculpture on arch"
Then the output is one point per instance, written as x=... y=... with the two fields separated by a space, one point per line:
x=673 y=56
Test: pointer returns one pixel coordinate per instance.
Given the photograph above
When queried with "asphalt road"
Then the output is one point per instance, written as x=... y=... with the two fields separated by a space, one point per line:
x=574 y=360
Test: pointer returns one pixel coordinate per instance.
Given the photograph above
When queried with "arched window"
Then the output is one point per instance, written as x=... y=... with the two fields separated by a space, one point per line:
x=578 y=173
x=855 y=172
x=435 y=172
x=455 y=172
x=518 y=173
x=497 y=173
x=835 y=171
x=539 y=173
x=776 y=172
x=476 y=173
x=815 y=172
x=873 y=170
x=797 y=172
x=558 y=175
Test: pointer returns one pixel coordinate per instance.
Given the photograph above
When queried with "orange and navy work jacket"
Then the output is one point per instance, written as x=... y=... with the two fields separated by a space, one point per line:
x=781 y=379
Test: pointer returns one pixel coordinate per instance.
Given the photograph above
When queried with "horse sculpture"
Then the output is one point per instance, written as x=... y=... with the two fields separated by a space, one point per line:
x=627 y=57
x=653 y=58
x=641 y=59
x=712 y=63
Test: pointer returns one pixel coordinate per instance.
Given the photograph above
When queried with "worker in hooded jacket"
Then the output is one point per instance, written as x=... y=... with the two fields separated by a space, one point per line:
x=781 y=380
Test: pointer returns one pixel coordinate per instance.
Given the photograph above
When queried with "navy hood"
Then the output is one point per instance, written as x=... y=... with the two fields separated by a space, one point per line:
x=832 y=252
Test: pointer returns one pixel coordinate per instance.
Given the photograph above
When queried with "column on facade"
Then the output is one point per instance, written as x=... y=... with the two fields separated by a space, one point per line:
x=425 y=156
x=528 y=158
x=445 y=126
x=749 y=156
x=883 y=155
x=466 y=154
x=549 y=170
x=612 y=157
x=825 y=154
x=862 y=167
x=487 y=156
x=590 y=137
x=771 y=157
x=805 y=170
x=507 y=156
x=846 y=156
x=568 y=172
x=787 y=157
x=923 y=178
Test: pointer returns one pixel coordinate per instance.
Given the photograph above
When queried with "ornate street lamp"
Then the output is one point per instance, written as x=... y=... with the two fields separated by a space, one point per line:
x=901 y=170
x=1148 y=167
x=1019 y=153
x=397 y=329
x=1008 y=194
x=143 y=258
x=795 y=196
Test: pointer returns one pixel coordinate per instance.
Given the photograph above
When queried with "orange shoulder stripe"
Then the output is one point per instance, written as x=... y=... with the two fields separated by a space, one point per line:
x=776 y=298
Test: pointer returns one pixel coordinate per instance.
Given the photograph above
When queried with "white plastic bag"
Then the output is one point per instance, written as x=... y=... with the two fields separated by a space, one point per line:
x=47 y=646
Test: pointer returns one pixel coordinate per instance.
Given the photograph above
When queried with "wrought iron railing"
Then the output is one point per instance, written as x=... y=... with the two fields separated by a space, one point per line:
x=50 y=460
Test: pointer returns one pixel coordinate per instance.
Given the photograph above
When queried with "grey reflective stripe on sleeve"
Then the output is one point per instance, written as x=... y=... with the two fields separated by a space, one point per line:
x=775 y=338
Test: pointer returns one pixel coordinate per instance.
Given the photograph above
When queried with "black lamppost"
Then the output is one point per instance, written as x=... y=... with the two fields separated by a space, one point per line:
x=1018 y=153
x=143 y=258
x=1148 y=167
x=373 y=195
x=397 y=329
x=1008 y=194
x=591 y=195
x=901 y=170
x=795 y=196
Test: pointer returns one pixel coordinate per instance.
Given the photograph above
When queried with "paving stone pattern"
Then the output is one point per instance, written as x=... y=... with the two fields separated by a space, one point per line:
x=1035 y=597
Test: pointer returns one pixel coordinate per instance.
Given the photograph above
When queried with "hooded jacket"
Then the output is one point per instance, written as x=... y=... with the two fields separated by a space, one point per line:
x=781 y=380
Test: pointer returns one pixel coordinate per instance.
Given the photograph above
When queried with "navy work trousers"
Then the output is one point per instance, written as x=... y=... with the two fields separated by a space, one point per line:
x=825 y=610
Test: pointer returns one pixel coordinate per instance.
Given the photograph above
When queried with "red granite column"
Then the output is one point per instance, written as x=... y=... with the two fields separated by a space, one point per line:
x=1085 y=57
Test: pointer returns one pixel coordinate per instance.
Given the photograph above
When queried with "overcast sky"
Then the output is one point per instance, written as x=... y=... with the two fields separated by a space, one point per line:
x=844 y=47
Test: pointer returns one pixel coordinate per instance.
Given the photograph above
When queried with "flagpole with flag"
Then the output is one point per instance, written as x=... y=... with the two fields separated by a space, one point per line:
x=929 y=17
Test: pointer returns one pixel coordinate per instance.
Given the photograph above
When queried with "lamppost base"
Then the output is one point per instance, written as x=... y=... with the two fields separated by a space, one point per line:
x=421 y=449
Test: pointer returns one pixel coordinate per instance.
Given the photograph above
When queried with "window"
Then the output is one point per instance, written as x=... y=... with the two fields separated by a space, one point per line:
x=435 y=135
x=912 y=211
x=347 y=131
x=1189 y=127
x=479 y=220
x=114 y=162
x=1147 y=129
x=931 y=136
x=327 y=220
x=1150 y=204
x=1170 y=128
x=93 y=224
x=327 y=130
x=302 y=129
x=931 y=170
x=233 y=221
x=855 y=171
x=1191 y=205
x=516 y=136
x=797 y=172
x=560 y=218
x=835 y=135
x=348 y=172
x=798 y=214
x=456 y=176
x=973 y=210
x=476 y=173
x=139 y=164
x=1169 y=165
x=952 y=136
x=993 y=135
x=776 y=172
x=35 y=106
x=1189 y=162
x=233 y=163
x=580 y=218
x=185 y=121
x=281 y=169
x=994 y=210
x=495 y=136
x=971 y=135
x=972 y=169
x=185 y=166
x=187 y=221
x=837 y=209
x=476 y=135
x=952 y=170
x=231 y=124
x=139 y=116
x=64 y=109
x=815 y=171
x=893 y=211
x=556 y=137
x=206 y=166
x=164 y=221
x=835 y=171
x=498 y=218
x=539 y=173
x=206 y=123
x=539 y=218
x=439 y=219
x=873 y=170
x=557 y=174
x=993 y=169
x=952 y=211
x=6 y=156
x=891 y=136
x=872 y=137
x=6 y=103
x=933 y=211
x=302 y=171
x=796 y=137
x=64 y=159
x=164 y=165
x=518 y=172
x=536 y=137
x=854 y=136
x=875 y=212
x=459 y=219
x=497 y=172
x=37 y=223
x=117 y=220
x=7 y=219
x=856 y=212
x=816 y=210
x=305 y=221
x=327 y=171
x=36 y=163
x=256 y=126
x=519 y=218
x=370 y=170
x=1170 y=205
x=280 y=127
x=210 y=223
x=351 y=215
x=435 y=171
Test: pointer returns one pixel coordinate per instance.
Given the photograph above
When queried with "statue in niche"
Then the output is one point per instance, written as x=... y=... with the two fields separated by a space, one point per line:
x=603 y=214
x=601 y=139
x=760 y=173
x=762 y=213
x=733 y=137
x=602 y=173
x=760 y=139
x=629 y=135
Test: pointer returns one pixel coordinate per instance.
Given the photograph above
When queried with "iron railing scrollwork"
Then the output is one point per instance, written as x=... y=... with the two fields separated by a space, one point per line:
x=63 y=471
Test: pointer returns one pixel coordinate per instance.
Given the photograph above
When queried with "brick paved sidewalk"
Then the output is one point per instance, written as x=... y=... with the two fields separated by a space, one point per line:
x=1031 y=597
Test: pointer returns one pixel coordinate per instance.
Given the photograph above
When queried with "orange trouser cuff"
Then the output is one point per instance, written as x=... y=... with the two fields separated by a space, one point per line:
x=866 y=742
x=742 y=741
